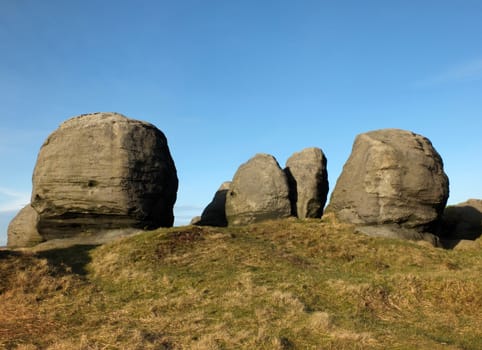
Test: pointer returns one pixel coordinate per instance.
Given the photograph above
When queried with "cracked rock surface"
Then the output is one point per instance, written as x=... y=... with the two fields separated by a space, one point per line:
x=102 y=171
x=392 y=177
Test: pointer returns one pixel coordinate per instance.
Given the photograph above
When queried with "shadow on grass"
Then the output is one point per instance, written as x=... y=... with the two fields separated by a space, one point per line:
x=6 y=253
x=74 y=258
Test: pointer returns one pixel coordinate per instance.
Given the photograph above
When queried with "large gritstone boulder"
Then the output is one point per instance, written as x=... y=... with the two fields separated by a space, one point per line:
x=259 y=191
x=393 y=178
x=103 y=171
x=308 y=180
x=215 y=212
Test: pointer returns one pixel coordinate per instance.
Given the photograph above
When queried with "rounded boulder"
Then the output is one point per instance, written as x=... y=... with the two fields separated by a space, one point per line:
x=259 y=191
x=392 y=177
x=103 y=171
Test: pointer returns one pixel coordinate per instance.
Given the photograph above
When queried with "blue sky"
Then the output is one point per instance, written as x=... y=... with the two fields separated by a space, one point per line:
x=227 y=79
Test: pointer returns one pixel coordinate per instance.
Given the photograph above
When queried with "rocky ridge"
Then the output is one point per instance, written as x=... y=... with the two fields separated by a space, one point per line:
x=102 y=173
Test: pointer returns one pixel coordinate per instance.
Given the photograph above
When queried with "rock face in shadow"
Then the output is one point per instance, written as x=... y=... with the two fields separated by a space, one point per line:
x=392 y=177
x=463 y=220
x=259 y=191
x=103 y=171
x=308 y=181
x=215 y=212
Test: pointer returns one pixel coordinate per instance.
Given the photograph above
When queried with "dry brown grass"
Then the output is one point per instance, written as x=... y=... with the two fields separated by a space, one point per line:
x=27 y=285
x=276 y=285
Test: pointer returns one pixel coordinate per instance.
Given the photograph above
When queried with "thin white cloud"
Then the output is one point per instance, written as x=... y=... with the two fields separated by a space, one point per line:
x=465 y=72
x=183 y=213
x=187 y=208
x=11 y=200
x=15 y=140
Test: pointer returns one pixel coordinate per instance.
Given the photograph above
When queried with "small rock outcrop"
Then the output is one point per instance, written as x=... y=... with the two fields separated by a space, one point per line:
x=259 y=191
x=215 y=213
x=393 y=178
x=103 y=171
x=308 y=181
x=22 y=230
x=195 y=220
x=463 y=220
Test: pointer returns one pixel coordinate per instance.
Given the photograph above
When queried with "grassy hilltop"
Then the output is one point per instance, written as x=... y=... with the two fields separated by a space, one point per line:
x=284 y=284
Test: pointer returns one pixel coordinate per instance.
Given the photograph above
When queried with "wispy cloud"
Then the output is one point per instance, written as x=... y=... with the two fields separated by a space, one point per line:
x=13 y=139
x=11 y=200
x=465 y=72
x=184 y=213
x=187 y=208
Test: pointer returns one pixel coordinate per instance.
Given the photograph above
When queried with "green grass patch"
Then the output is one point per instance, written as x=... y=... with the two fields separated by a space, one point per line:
x=284 y=284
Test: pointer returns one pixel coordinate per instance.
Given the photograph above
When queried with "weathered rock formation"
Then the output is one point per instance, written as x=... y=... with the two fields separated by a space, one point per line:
x=308 y=182
x=463 y=221
x=259 y=191
x=103 y=171
x=22 y=230
x=215 y=213
x=392 y=178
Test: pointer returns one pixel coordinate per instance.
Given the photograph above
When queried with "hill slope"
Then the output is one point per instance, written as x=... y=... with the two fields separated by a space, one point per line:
x=284 y=284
